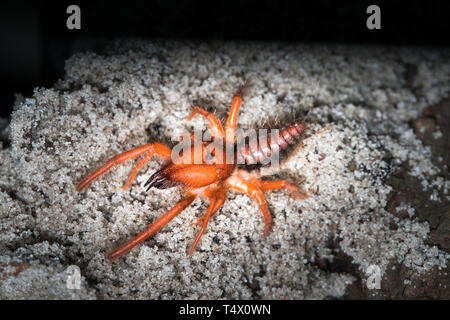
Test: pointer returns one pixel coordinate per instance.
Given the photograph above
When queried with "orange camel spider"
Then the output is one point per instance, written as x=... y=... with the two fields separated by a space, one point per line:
x=209 y=179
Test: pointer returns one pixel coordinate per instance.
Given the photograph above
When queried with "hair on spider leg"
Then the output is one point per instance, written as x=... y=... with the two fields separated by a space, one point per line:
x=307 y=114
x=244 y=88
x=277 y=120
x=328 y=127
x=264 y=121
x=298 y=115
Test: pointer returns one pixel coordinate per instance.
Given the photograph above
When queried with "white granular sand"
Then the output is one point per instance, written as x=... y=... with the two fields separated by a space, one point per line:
x=142 y=91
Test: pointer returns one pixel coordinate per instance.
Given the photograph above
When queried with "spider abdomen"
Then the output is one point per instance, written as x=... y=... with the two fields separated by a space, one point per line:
x=265 y=144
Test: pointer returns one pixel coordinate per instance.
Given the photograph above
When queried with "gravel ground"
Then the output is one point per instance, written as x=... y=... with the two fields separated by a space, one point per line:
x=380 y=195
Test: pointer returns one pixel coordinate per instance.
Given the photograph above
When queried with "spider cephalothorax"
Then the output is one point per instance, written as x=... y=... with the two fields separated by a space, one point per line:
x=210 y=179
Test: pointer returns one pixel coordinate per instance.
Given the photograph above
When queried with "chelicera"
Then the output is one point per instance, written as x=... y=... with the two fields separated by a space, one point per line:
x=209 y=179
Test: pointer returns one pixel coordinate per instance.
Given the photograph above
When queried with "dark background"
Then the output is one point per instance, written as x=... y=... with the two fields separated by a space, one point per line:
x=35 y=42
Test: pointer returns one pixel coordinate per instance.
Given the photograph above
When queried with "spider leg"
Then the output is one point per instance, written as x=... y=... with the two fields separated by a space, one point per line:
x=216 y=202
x=283 y=184
x=254 y=191
x=204 y=220
x=221 y=199
x=151 y=148
x=136 y=169
x=214 y=123
x=230 y=127
x=152 y=229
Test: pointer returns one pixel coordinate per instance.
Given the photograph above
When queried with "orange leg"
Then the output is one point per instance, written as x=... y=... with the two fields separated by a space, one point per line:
x=283 y=184
x=230 y=127
x=214 y=123
x=256 y=193
x=221 y=199
x=204 y=224
x=216 y=202
x=152 y=229
x=151 y=148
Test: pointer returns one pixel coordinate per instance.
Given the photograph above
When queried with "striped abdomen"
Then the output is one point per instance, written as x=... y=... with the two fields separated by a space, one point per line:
x=265 y=144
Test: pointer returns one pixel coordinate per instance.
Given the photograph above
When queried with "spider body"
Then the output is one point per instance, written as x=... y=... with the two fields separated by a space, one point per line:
x=209 y=179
